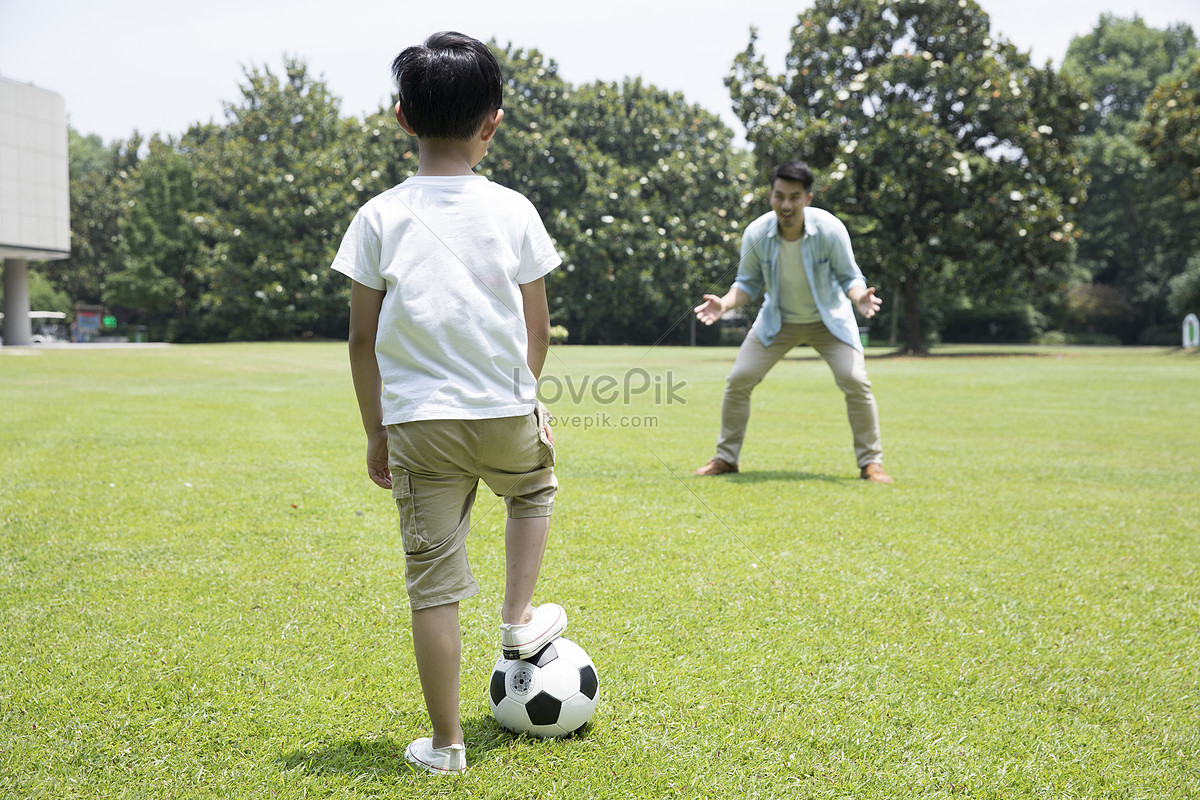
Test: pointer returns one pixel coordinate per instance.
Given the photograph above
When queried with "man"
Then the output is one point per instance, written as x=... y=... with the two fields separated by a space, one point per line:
x=800 y=258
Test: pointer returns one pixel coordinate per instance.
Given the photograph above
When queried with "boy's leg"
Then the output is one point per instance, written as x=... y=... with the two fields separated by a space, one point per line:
x=524 y=547
x=438 y=649
x=520 y=456
x=434 y=496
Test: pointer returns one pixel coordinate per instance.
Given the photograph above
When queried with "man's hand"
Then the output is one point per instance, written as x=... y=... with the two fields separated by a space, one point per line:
x=867 y=303
x=377 y=459
x=710 y=310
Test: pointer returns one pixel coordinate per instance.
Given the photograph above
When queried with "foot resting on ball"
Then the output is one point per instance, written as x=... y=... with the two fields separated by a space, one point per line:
x=523 y=640
x=448 y=760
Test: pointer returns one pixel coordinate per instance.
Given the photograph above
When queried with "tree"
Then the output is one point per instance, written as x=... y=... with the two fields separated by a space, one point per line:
x=227 y=232
x=1184 y=297
x=658 y=223
x=1137 y=232
x=99 y=177
x=1170 y=129
x=275 y=179
x=641 y=191
x=43 y=296
x=946 y=152
x=1119 y=63
x=159 y=246
x=534 y=152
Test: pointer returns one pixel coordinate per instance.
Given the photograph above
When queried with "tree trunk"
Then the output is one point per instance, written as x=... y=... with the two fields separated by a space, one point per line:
x=893 y=335
x=913 y=343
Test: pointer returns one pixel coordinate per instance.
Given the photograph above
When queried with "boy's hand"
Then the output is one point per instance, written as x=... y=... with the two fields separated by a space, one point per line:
x=377 y=459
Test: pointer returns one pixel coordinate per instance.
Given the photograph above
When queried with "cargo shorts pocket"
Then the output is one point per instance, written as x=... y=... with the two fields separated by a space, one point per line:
x=411 y=535
x=543 y=418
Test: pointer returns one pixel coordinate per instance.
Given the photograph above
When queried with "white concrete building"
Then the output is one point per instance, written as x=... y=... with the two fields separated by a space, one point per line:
x=34 y=194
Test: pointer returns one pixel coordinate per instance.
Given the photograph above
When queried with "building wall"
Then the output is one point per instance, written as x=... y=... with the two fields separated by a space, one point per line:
x=34 y=178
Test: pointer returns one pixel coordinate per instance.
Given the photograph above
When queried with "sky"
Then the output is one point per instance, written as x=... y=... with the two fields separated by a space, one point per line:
x=158 y=67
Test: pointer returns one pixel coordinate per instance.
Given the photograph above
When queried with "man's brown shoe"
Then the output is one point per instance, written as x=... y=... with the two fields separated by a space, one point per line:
x=875 y=474
x=716 y=466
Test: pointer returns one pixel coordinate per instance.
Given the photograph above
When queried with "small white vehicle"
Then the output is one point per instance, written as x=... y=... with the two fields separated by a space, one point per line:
x=47 y=326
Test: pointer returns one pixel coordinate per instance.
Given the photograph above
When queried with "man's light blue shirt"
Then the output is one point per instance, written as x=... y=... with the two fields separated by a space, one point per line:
x=828 y=262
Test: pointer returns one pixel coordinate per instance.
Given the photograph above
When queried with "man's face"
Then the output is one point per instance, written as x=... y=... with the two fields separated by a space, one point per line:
x=788 y=201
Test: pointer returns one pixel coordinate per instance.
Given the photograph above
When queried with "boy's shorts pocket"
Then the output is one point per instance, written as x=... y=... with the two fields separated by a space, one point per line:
x=411 y=535
x=543 y=418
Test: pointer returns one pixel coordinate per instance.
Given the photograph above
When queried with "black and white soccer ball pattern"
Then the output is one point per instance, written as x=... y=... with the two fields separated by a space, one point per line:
x=552 y=694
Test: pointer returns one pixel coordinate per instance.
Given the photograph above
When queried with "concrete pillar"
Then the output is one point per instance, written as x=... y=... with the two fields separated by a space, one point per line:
x=17 y=330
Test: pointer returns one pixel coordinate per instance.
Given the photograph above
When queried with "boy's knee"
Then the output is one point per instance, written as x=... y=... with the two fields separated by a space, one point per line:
x=537 y=504
x=439 y=576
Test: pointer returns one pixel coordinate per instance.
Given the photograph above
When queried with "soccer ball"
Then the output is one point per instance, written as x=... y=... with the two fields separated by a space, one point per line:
x=552 y=694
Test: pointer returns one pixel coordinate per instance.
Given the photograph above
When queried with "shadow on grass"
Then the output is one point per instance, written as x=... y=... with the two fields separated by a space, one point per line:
x=384 y=756
x=881 y=354
x=763 y=476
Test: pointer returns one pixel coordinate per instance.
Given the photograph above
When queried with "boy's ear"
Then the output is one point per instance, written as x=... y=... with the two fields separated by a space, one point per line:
x=403 y=121
x=490 y=124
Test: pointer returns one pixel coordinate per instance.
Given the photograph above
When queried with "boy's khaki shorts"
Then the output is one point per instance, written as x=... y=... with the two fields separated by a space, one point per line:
x=436 y=467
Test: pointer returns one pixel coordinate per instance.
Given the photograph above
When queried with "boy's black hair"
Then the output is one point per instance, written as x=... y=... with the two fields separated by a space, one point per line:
x=448 y=85
x=794 y=170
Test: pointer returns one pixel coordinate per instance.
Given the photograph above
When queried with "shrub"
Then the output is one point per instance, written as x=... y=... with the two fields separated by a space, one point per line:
x=1096 y=308
x=1184 y=298
x=999 y=324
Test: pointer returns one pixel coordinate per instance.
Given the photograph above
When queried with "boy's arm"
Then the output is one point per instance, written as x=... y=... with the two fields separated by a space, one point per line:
x=537 y=324
x=365 y=304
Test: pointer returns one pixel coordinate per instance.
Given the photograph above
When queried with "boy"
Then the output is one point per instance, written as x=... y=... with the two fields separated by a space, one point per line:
x=449 y=327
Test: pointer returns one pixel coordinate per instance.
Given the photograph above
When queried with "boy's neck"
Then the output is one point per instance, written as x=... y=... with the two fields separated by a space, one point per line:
x=443 y=158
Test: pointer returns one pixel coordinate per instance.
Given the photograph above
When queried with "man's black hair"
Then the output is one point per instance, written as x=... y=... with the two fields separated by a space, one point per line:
x=448 y=85
x=794 y=170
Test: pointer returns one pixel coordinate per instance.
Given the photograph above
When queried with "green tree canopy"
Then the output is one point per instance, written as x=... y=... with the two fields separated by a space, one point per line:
x=1137 y=232
x=99 y=181
x=43 y=296
x=159 y=246
x=1119 y=63
x=1170 y=131
x=1184 y=297
x=947 y=153
x=278 y=194
x=641 y=191
x=227 y=232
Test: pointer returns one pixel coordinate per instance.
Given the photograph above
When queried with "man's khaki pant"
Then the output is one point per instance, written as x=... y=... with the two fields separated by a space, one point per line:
x=754 y=361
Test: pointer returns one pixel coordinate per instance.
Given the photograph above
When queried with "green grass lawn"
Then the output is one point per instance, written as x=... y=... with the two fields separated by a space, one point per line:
x=203 y=593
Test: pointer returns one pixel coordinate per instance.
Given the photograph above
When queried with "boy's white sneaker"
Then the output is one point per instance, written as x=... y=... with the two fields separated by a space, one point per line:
x=448 y=760
x=522 y=641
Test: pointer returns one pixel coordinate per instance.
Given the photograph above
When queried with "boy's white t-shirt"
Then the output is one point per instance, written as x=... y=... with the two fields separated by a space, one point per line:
x=451 y=254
